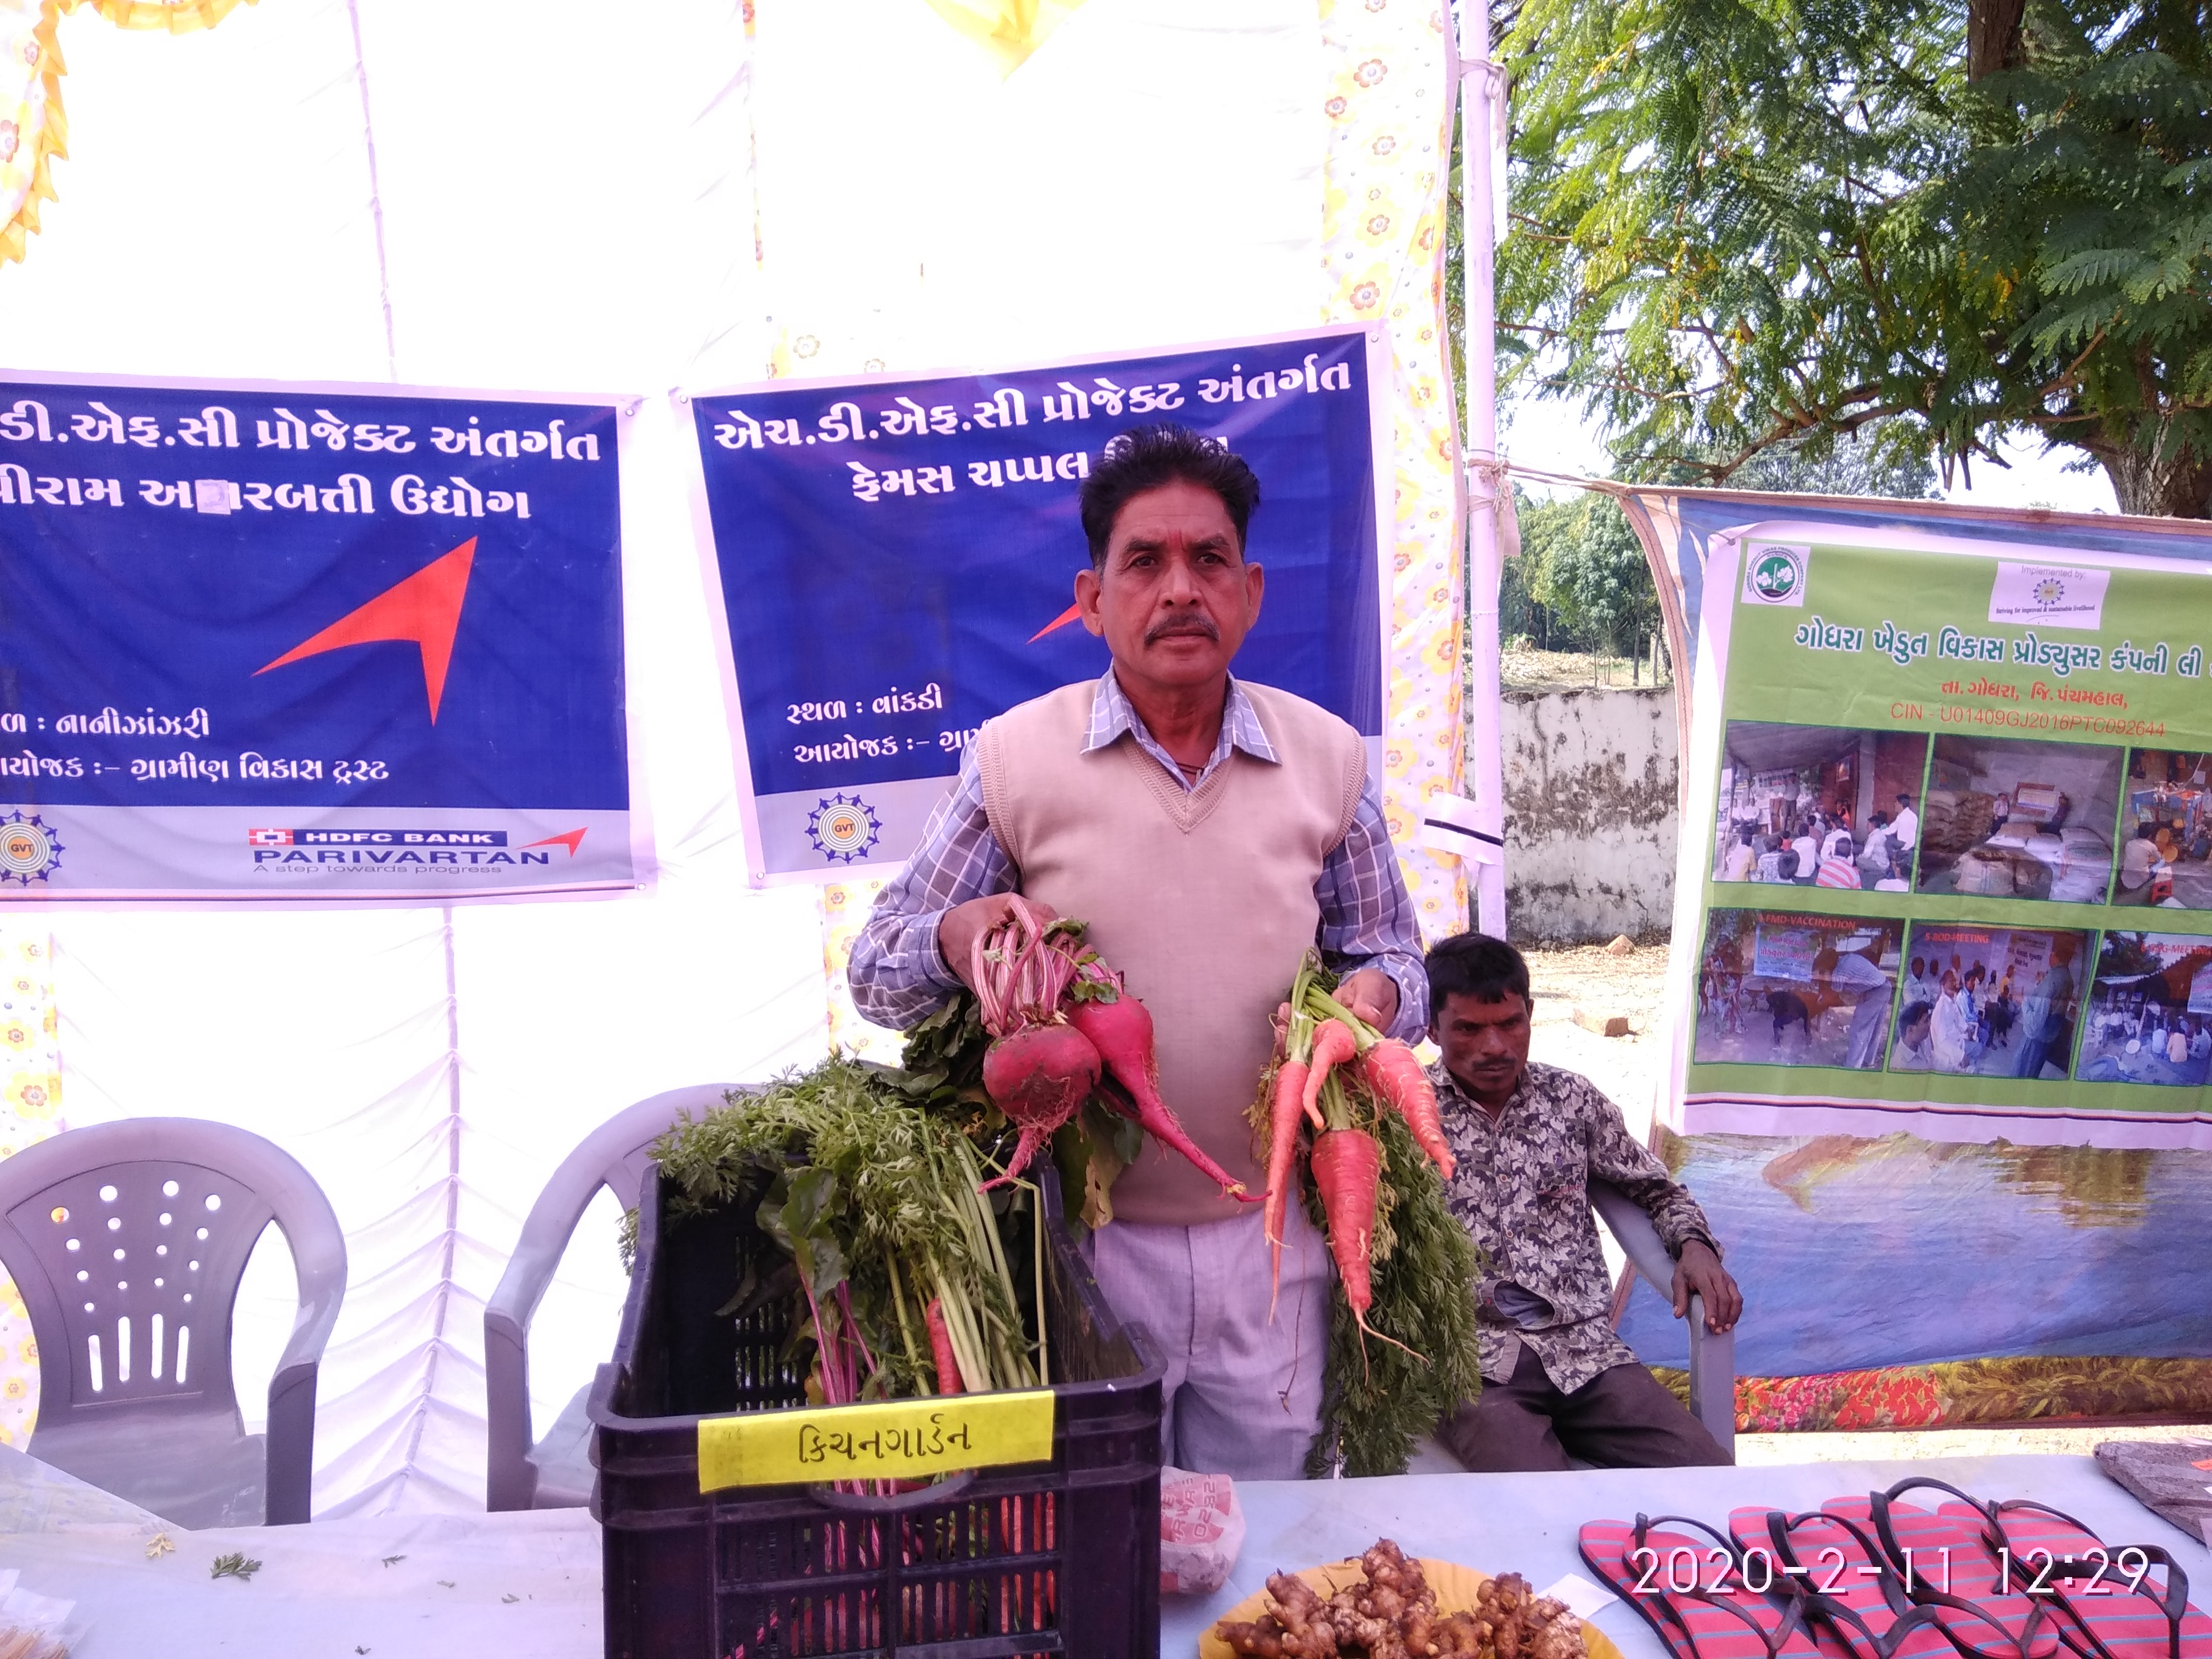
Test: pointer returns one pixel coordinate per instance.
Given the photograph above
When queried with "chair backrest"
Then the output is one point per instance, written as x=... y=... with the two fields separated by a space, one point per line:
x=128 y=1241
x=616 y=1155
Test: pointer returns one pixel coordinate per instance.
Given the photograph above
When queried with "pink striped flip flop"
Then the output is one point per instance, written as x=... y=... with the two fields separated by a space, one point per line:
x=1714 y=1617
x=1955 y=1556
x=2104 y=1594
x=1854 y=1601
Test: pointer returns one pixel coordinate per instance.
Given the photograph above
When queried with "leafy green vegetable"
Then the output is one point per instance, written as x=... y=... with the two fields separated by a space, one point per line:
x=1379 y=1400
x=867 y=1197
x=236 y=1566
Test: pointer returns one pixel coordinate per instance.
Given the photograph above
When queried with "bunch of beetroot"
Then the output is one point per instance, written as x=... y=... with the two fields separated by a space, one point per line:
x=1058 y=1015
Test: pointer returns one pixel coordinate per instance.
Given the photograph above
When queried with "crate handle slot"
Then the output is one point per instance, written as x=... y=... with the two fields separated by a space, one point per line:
x=856 y=1503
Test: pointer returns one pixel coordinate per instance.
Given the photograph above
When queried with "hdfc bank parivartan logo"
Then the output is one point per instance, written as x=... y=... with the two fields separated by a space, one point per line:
x=383 y=847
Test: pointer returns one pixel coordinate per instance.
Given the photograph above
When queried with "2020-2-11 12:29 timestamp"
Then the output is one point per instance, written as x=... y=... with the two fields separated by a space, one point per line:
x=1686 y=1570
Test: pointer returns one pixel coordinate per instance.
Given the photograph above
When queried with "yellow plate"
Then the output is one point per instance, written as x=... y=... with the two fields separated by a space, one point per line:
x=1457 y=1587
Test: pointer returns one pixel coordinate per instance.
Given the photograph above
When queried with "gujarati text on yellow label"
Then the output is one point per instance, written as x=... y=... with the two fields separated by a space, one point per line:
x=891 y=1439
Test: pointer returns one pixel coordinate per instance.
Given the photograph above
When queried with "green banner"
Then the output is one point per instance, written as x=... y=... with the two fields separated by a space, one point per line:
x=1958 y=857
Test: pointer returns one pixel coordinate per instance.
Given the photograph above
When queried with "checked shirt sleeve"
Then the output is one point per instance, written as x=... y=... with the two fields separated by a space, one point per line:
x=1615 y=1157
x=897 y=974
x=1367 y=916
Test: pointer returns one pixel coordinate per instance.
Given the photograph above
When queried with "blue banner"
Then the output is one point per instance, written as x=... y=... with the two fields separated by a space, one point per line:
x=299 y=642
x=896 y=561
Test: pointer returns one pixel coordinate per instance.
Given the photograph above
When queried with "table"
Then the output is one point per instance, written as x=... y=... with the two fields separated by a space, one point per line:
x=1526 y=1523
x=529 y=1582
x=392 y=1586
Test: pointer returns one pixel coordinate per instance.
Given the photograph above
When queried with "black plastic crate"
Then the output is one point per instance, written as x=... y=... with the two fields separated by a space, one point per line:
x=1058 y=1557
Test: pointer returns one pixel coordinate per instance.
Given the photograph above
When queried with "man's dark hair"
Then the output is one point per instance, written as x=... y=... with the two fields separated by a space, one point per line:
x=1476 y=966
x=1904 y=800
x=1914 y=1013
x=1147 y=457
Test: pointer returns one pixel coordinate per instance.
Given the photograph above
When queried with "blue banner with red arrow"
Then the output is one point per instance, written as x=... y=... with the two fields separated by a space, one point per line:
x=897 y=560
x=320 y=643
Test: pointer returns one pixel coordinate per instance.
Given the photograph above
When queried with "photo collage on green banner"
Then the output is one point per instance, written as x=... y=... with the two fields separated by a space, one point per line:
x=1976 y=775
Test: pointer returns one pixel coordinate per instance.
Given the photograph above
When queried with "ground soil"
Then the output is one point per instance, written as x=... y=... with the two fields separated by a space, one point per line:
x=1529 y=670
x=1631 y=1069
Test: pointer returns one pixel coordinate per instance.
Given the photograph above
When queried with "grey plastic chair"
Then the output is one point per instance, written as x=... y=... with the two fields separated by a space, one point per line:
x=1712 y=1359
x=127 y=1242
x=557 y=1472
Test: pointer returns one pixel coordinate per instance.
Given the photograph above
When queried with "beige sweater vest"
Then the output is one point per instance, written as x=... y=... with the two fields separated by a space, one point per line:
x=1203 y=899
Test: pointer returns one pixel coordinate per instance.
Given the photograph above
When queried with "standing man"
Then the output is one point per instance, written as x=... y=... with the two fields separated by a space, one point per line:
x=2042 y=1016
x=1528 y=1139
x=1210 y=830
x=1854 y=974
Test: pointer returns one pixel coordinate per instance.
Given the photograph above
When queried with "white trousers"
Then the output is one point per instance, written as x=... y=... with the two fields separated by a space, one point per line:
x=1242 y=1393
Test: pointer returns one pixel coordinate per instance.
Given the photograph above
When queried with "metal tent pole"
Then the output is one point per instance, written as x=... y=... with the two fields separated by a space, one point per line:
x=1484 y=477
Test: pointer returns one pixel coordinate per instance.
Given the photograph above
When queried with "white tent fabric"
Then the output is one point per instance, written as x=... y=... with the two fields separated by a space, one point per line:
x=564 y=195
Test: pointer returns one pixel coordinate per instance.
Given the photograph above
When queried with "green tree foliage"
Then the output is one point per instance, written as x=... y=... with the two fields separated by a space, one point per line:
x=1582 y=564
x=1582 y=582
x=1743 y=226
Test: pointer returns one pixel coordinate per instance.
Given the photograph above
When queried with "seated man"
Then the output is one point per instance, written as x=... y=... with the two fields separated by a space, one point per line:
x=1916 y=1048
x=1557 y=1383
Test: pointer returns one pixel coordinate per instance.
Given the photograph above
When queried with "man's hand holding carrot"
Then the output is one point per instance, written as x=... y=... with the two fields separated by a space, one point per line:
x=1372 y=994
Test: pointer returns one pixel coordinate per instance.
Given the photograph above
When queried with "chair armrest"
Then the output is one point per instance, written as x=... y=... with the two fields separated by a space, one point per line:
x=319 y=1263
x=510 y=1478
x=1712 y=1377
x=1712 y=1356
x=1631 y=1228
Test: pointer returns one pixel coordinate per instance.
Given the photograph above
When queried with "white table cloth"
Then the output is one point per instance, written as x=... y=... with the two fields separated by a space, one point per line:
x=471 y=1586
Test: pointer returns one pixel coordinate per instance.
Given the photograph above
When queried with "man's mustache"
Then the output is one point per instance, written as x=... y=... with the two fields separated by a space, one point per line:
x=1201 y=625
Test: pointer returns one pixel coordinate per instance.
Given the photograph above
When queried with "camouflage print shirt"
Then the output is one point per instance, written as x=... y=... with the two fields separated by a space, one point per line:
x=1522 y=1189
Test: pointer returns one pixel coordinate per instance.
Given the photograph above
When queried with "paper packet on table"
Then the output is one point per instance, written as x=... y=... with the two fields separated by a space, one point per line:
x=32 y=1626
x=1201 y=1531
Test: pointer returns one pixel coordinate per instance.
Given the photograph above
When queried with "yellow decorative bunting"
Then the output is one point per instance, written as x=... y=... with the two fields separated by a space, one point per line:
x=891 y=1440
x=177 y=17
x=1010 y=30
x=33 y=131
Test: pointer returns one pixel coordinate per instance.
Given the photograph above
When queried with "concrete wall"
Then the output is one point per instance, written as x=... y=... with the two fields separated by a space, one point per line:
x=1589 y=814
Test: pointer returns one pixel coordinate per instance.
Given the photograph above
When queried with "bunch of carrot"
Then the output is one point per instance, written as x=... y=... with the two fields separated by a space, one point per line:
x=1335 y=1074
x=1058 y=1016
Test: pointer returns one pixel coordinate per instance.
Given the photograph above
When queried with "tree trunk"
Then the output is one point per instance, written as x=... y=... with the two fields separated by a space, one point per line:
x=2159 y=488
x=1993 y=39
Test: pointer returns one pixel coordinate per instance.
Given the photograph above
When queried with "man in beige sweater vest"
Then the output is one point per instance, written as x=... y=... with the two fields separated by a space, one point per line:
x=1209 y=831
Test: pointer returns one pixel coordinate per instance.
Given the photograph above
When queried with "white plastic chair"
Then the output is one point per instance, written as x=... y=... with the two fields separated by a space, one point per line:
x=555 y=1472
x=128 y=1241
x=1712 y=1357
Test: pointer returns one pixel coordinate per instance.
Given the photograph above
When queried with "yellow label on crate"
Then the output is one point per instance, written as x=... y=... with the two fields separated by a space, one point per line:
x=891 y=1439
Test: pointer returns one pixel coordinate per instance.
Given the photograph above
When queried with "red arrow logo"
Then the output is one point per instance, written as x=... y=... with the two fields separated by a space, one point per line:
x=424 y=609
x=571 y=839
x=1056 y=623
